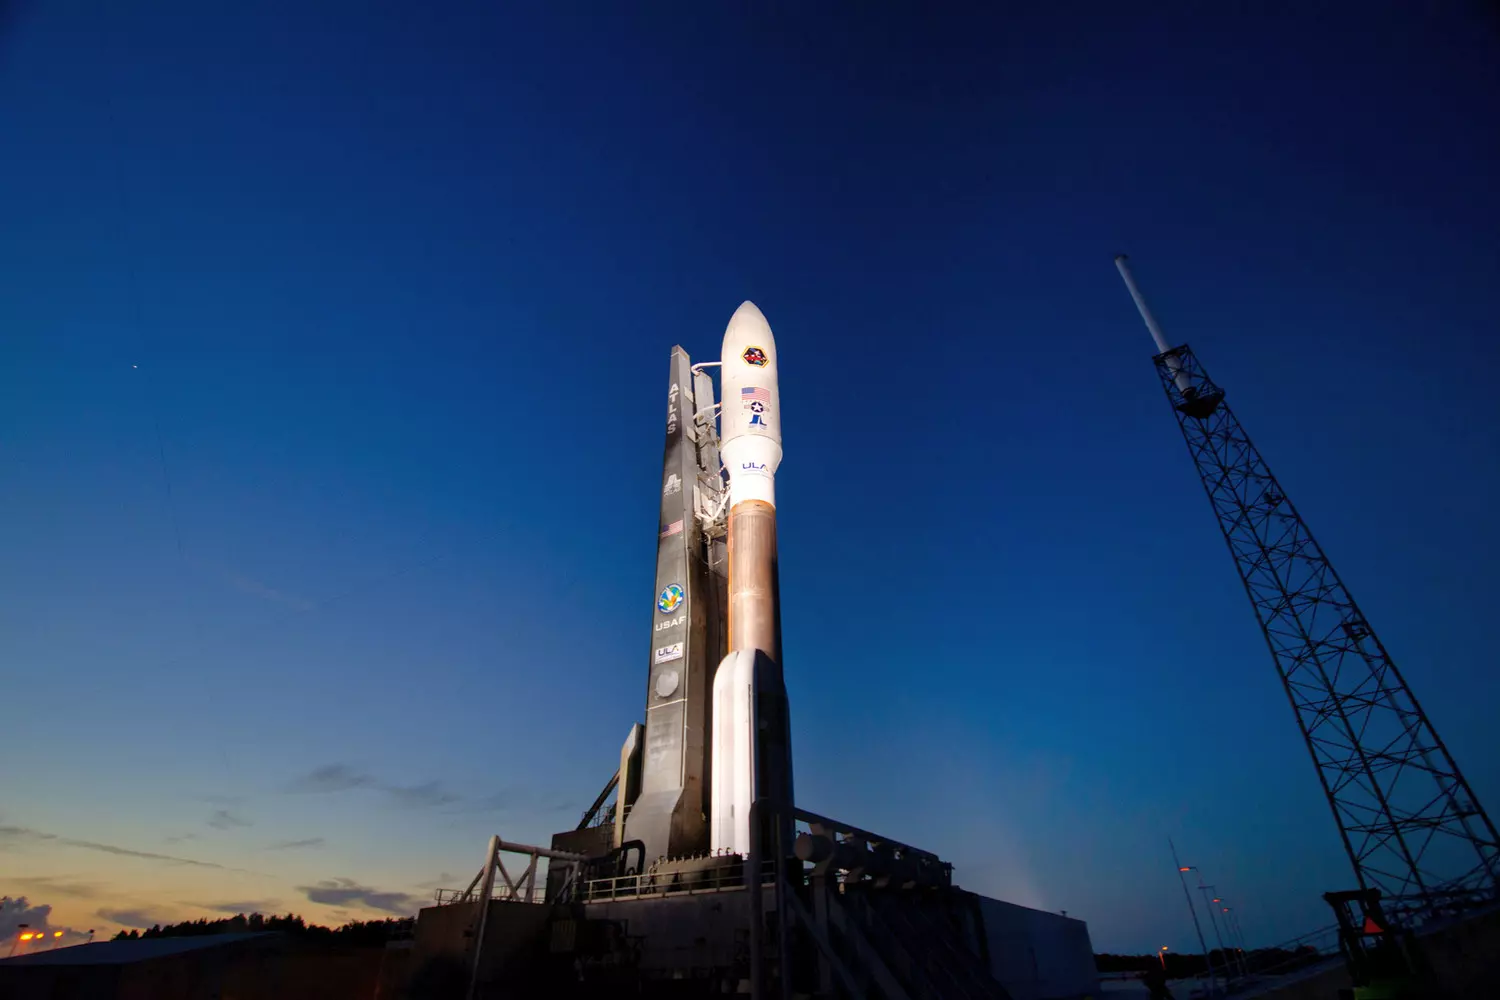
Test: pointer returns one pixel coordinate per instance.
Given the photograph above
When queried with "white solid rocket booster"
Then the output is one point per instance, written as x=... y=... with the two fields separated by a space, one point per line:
x=751 y=747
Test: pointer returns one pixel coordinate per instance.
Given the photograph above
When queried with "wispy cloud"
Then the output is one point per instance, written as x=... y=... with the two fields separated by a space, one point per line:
x=223 y=819
x=297 y=845
x=331 y=778
x=516 y=800
x=180 y=838
x=498 y=802
x=133 y=917
x=222 y=800
x=343 y=892
x=55 y=886
x=255 y=588
x=430 y=793
x=443 y=881
x=37 y=836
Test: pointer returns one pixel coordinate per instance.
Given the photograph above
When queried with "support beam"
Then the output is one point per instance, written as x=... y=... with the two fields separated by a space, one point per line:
x=593 y=810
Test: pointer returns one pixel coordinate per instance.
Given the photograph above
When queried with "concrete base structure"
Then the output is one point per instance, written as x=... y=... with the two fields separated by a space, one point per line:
x=1038 y=955
x=441 y=963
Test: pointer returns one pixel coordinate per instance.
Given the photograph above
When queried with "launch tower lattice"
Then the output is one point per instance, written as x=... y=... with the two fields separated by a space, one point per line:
x=1409 y=821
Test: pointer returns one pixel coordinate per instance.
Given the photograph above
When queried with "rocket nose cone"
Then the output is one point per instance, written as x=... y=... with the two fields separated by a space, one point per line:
x=749 y=311
x=748 y=322
x=748 y=338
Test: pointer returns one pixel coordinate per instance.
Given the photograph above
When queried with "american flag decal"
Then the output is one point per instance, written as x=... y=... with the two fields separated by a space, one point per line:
x=754 y=394
x=675 y=528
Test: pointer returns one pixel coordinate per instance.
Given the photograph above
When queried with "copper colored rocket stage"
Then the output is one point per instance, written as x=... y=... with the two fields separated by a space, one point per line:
x=754 y=615
x=750 y=435
x=751 y=753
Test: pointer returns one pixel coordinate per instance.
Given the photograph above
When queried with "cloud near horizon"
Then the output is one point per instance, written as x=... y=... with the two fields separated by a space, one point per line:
x=297 y=845
x=344 y=892
x=18 y=910
x=136 y=918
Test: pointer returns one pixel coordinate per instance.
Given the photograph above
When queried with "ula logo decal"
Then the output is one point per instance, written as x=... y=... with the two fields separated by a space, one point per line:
x=752 y=466
x=667 y=654
x=671 y=599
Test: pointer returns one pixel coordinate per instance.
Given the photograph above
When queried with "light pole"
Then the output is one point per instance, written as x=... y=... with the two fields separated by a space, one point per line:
x=1223 y=952
x=1236 y=936
x=1231 y=915
x=19 y=938
x=1182 y=874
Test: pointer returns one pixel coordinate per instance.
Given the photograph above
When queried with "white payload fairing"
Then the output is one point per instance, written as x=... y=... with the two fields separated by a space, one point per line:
x=750 y=415
x=751 y=746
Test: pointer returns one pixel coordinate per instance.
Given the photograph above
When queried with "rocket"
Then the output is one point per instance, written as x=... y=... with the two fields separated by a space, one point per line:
x=750 y=446
x=751 y=745
x=715 y=740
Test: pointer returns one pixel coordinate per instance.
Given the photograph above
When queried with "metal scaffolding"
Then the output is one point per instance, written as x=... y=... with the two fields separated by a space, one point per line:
x=1410 y=823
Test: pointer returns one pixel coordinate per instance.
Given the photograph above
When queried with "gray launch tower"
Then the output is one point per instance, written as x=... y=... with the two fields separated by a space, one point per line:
x=669 y=817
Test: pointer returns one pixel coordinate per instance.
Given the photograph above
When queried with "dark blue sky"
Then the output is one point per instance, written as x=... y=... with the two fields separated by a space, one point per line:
x=401 y=286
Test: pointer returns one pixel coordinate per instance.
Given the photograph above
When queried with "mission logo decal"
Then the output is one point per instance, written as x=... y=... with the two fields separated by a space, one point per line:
x=755 y=399
x=755 y=357
x=671 y=599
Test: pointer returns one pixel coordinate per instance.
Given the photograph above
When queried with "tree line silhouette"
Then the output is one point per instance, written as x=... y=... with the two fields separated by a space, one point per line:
x=354 y=934
x=1179 y=964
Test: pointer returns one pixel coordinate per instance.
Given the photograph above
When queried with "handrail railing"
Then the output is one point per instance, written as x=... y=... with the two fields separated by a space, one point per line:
x=532 y=894
x=1304 y=950
x=729 y=875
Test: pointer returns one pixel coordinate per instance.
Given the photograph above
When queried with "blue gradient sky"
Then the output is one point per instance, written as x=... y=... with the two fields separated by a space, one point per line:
x=359 y=558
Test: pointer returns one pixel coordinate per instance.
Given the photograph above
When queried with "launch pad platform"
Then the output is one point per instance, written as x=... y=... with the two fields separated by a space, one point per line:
x=843 y=913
